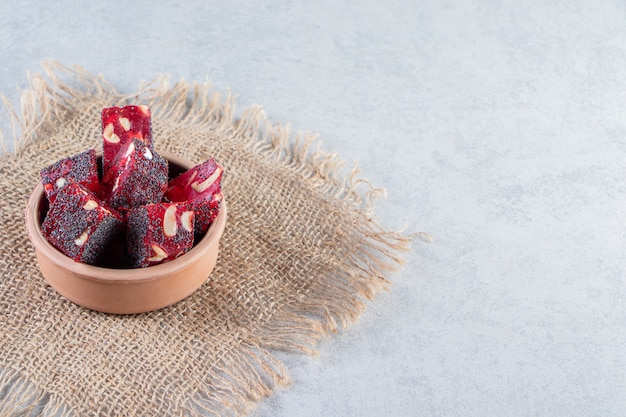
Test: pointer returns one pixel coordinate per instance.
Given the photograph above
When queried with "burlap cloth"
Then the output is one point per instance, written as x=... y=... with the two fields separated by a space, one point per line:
x=300 y=256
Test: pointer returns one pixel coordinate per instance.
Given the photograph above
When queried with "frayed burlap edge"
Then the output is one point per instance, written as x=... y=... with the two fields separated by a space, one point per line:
x=61 y=90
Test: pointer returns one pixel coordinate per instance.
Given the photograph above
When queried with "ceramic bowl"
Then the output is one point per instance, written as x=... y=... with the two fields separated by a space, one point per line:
x=124 y=291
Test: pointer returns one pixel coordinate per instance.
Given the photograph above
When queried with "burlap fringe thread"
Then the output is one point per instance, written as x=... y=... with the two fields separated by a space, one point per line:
x=240 y=385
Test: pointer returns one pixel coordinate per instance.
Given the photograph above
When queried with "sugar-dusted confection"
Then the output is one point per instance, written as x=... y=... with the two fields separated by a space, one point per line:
x=201 y=185
x=81 y=168
x=80 y=225
x=137 y=176
x=157 y=233
x=120 y=125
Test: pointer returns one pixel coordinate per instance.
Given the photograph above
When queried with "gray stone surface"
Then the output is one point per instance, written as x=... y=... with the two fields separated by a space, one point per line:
x=496 y=126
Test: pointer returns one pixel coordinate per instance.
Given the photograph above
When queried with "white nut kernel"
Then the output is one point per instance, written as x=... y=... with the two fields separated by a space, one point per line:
x=159 y=254
x=202 y=186
x=185 y=220
x=125 y=123
x=80 y=240
x=192 y=176
x=90 y=205
x=130 y=150
x=116 y=184
x=147 y=154
x=60 y=183
x=145 y=109
x=169 y=221
x=109 y=135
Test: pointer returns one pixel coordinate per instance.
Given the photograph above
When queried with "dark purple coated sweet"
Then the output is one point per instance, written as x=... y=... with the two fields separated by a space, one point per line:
x=80 y=225
x=137 y=176
x=206 y=212
x=81 y=168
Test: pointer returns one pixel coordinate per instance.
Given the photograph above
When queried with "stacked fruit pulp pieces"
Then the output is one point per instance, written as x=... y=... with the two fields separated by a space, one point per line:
x=128 y=213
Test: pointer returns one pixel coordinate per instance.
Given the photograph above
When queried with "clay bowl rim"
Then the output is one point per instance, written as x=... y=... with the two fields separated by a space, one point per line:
x=122 y=275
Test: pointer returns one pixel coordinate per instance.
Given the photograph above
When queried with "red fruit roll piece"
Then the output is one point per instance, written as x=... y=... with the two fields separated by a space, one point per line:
x=202 y=186
x=119 y=126
x=158 y=233
x=80 y=225
x=81 y=168
x=137 y=176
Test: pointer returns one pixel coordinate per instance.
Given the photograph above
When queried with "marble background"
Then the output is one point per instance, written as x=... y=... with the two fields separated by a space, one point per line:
x=496 y=126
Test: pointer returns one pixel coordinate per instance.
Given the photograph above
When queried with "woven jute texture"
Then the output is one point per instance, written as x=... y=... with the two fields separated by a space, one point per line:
x=300 y=257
